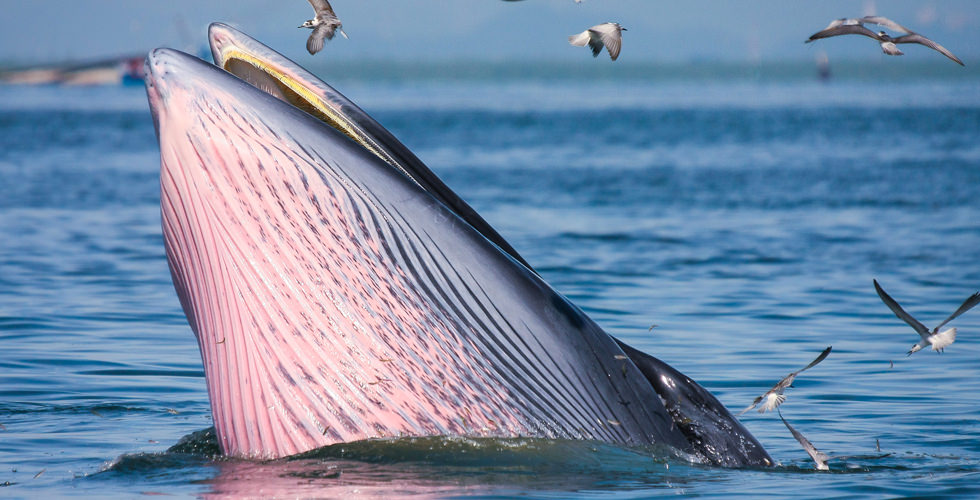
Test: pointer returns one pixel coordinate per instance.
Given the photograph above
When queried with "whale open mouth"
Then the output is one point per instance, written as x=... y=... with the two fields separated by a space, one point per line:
x=339 y=291
x=276 y=75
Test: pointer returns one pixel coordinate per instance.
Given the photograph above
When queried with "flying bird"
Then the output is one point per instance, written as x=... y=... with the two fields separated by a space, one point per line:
x=324 y=25
x=819 y=458
x=774 y=397
x=889 y=44
x=609 y=35
x=938 y=340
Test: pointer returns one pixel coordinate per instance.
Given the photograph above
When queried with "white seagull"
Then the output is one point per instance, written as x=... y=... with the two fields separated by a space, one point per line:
x=324 y=24
x=846 y=26
x=820 y=458
x=938 y=340
x=609 y=35
x=774 y=397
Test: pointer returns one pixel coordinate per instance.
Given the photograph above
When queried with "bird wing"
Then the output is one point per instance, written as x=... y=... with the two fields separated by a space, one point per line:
x=784 y=383
x=778 y=389
x=844 y=29
x=818 y=456
x=902 y=315
x=580 y=39
x=754 y=402
x=596 y=45
x=884 y=21
x=917 y=38
x=840 y=22
x=322 y=7
x=315 y=42
x=823 y=355
x=611 y=36
x=788 y=379
x=967 y=304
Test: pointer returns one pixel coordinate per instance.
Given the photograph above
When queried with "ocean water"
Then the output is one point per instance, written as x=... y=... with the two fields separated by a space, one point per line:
x=744 y=215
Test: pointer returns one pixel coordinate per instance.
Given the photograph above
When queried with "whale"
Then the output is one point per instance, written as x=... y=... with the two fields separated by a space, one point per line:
x=339 y=291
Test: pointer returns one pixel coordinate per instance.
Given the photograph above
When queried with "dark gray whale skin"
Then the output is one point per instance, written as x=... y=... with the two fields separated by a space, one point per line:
x=711 y=429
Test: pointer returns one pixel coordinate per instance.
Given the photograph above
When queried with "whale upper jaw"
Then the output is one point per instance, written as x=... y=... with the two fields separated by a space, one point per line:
x=337 y=296
x=275 y=74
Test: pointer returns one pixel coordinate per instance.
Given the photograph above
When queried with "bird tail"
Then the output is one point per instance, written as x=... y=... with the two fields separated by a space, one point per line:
x=943 y=339
x=772 y=403
x=579 y=40
x=891 y=49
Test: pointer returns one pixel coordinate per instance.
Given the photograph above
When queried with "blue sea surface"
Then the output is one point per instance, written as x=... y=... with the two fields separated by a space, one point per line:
x=743 y=215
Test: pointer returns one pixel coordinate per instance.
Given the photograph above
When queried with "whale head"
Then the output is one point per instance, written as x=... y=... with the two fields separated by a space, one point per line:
x=339 y=291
